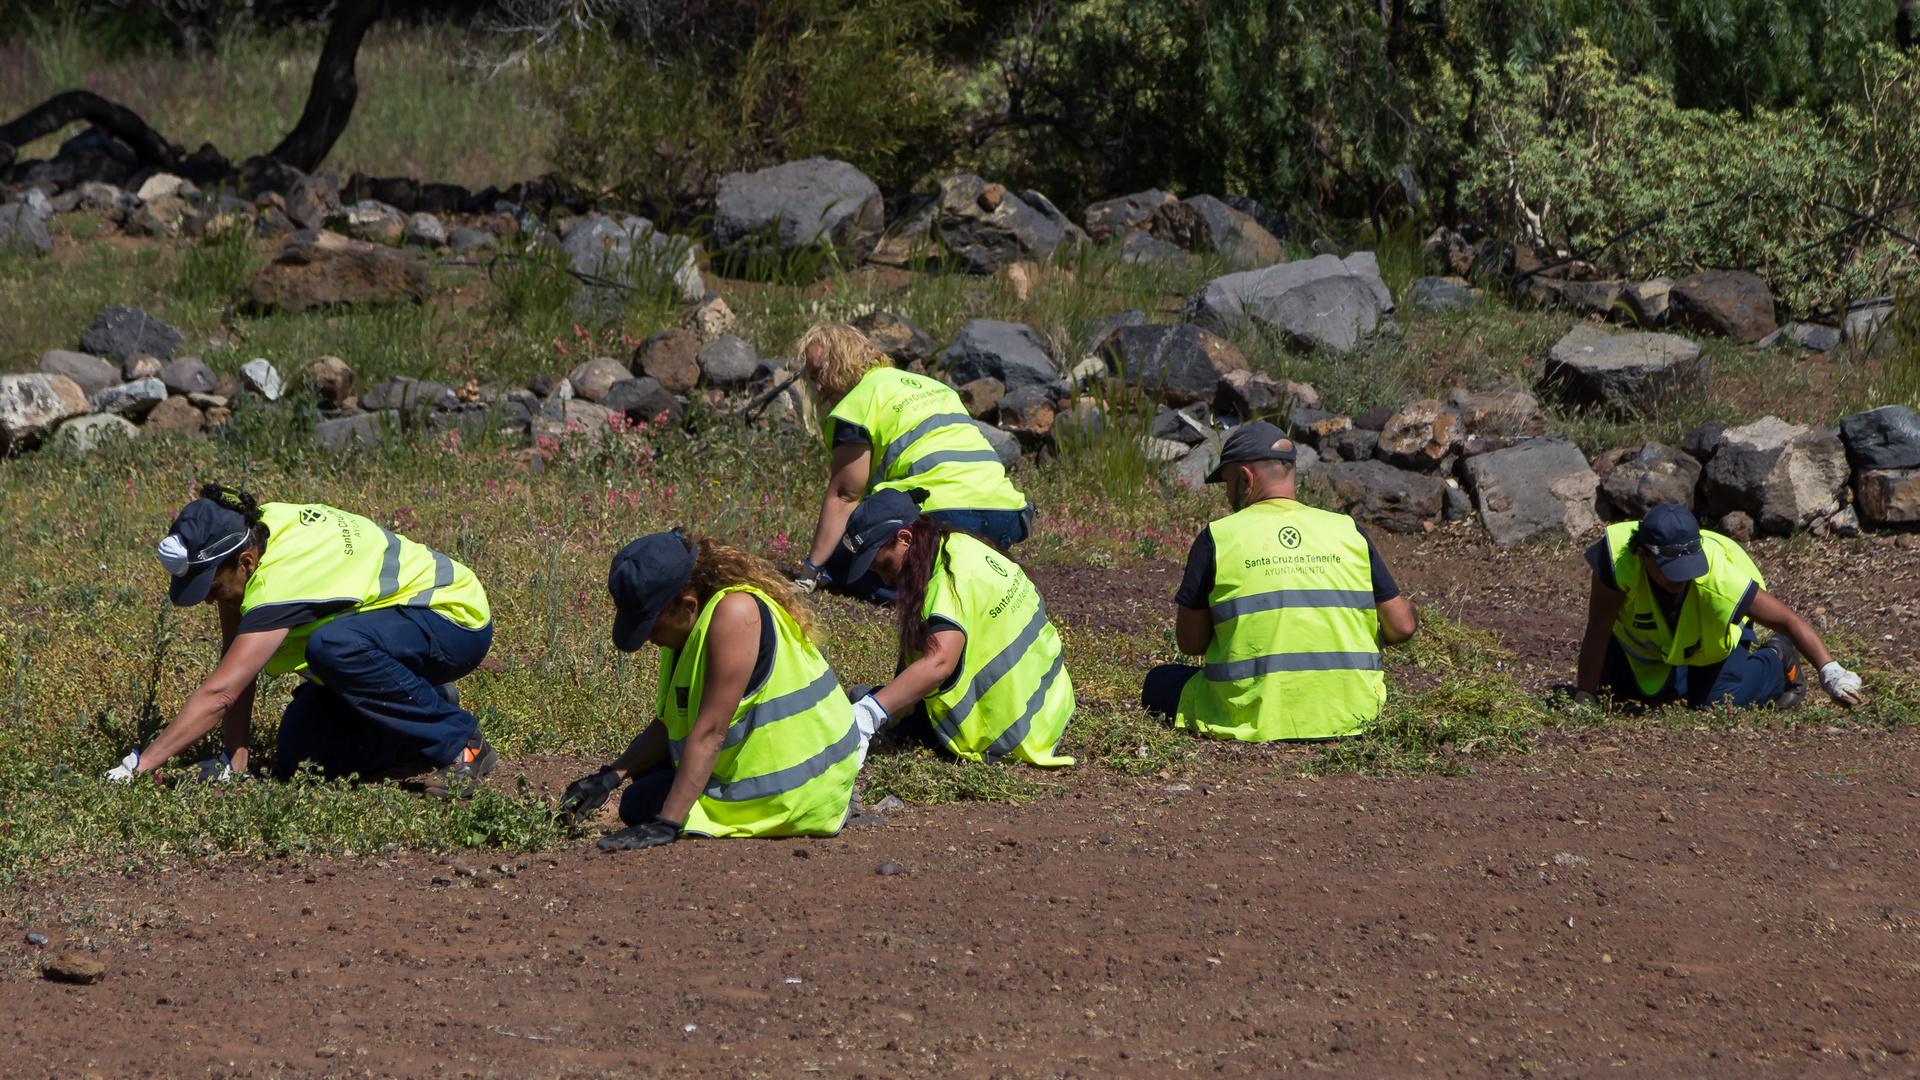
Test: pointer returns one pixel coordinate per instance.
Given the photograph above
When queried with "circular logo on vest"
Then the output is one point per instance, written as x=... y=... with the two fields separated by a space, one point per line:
x=311 y=516
x=995 y=564
x=908 y=380
x=1289 y=537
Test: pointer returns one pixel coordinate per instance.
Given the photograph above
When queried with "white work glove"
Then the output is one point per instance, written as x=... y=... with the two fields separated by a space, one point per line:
x=216 y=770
x=808 y=577
x=869 y=716
x=1842 y=685
x=123 y=772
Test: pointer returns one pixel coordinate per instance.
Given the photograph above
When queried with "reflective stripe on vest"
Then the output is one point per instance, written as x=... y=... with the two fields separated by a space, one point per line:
x=922 y=437
x=323 y=563
x=920 y=431
x=1295 y=652
x=1703 y=630
x=787 y=763
x=1013 y=696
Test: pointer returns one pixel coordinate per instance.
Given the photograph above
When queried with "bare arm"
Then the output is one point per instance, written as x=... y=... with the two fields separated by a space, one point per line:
x=924 y=676
x=846 y=482
x=1192 y=629
x=1768 y=611
x=238 y=723
x=732 y=644
x=224 y=690
x=645 y=753
x=1398 y=621
x=1603 y=607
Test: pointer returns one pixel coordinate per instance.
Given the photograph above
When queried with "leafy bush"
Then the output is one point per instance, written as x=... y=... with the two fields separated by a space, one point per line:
x=1579 y=152
x=848 y=79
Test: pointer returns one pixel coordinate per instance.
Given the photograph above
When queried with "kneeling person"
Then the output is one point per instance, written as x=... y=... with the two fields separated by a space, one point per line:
x=752 y=735
x=1290 y=605
x=981 y=668
x=1670 y=618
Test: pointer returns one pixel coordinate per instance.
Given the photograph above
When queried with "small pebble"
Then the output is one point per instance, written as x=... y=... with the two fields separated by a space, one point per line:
x=36 y=939
x=802 y=853
x=887 y=869
x=71 y=968
x=1106 y=838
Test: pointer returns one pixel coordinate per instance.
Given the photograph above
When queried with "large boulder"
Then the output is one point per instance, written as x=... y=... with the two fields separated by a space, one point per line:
x=1144 y=247
x=1626 y=374
x=1884 y=438
x=188 y=375
x=1726 y=303
x=1376 y=493
x=22 y=231
x=897 y=336
x=92 y=373
x=136 y=398
x=729 y=363
x=645 y=401
x=1182 y=364
x=1441 y=293
x=263 y=378
x=1647 y=301
x=1649 y=476
x=425 y=230
x=362 y=429
x=984 y=226
x=1127 y=214
x=1509 y=412
x=1322 y=302
x=120 y=332
x=312 y=200
x=405 y=394
x=176 y=416
x=374 y=222
x=622 y=255
x=317 y=268
x=670 y=356
x=817 y=204
x=594 y=378
x=1205 y=224
x=1888 y=496
x=33 y=405
x=1424 y=436
x=1250 y=395
x=1028 y=413
x=1539 y=487
x=85 y=434
x=1004 y=443
x=1010 y=352
x=331 y=380
x=1782 y=475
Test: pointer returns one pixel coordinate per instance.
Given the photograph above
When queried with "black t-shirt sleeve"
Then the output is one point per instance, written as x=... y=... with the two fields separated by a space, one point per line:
x=1600 y=557
x=289 y=615
x=1384 y=587
x=938 y=623
x=1196 y=587
x=844 y=432
x=763 y=663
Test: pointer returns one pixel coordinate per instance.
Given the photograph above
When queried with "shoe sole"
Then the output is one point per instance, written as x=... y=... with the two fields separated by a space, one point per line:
x=463 y=785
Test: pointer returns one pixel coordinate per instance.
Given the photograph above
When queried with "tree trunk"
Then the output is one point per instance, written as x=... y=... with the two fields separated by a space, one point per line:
x=62 y=109
x=331 y=97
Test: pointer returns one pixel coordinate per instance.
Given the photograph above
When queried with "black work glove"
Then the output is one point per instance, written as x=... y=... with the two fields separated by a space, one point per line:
x=644 y=835
x=586 y=794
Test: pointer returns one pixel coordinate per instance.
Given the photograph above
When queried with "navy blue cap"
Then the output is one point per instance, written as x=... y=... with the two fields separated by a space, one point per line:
x=199 y=539
x=1671 y=535
x=646 y=576
x=876 y=521
x=1258 y=441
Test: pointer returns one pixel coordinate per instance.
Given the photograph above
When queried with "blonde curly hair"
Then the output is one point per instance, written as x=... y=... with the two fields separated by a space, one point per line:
x=846 y=356
x=720 y=565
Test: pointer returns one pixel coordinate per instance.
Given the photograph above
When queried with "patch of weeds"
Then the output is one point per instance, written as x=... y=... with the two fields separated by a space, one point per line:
x=917 y=774
x=214 y=269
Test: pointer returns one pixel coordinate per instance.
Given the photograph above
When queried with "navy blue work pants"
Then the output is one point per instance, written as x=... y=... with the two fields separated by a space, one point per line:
x=375 y=706
x=1748 y=676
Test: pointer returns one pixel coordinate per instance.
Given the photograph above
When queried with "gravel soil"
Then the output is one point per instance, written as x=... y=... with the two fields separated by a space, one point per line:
x=1626 y=903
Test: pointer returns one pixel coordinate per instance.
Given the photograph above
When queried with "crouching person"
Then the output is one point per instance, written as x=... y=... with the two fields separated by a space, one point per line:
x=752 y=735
x=982 y=673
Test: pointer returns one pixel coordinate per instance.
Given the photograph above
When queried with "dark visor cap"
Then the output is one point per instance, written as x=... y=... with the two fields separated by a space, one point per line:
x=646 y=576
x=875 y=522
x=1258 y=441
x=197 y=542
x=1670 y=535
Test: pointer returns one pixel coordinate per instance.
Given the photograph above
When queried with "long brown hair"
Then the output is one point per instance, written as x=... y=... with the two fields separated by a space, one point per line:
x=720 y=565
x=927 y=547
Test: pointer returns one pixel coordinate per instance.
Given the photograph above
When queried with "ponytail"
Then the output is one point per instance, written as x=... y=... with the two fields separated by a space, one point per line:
x=248 y=507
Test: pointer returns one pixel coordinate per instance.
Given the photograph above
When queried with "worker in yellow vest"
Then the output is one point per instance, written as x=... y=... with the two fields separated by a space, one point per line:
x=981 y=672
x=1290 y=605
x=1670 y=618
x=752 y=735
x=379 y=626
x=889 y=429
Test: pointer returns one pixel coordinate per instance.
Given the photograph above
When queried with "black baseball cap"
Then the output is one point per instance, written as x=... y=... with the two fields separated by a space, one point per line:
x=1671 y=535
x=200 y=538
x=1258 y=441
x=646 y=576
x=877 y=520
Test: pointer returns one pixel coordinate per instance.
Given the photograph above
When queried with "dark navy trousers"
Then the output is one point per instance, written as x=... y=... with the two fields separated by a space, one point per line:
x=374 y=705
x=1748 y=676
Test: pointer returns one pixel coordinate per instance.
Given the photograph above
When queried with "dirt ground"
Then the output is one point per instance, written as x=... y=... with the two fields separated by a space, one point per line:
x=1638 y=904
